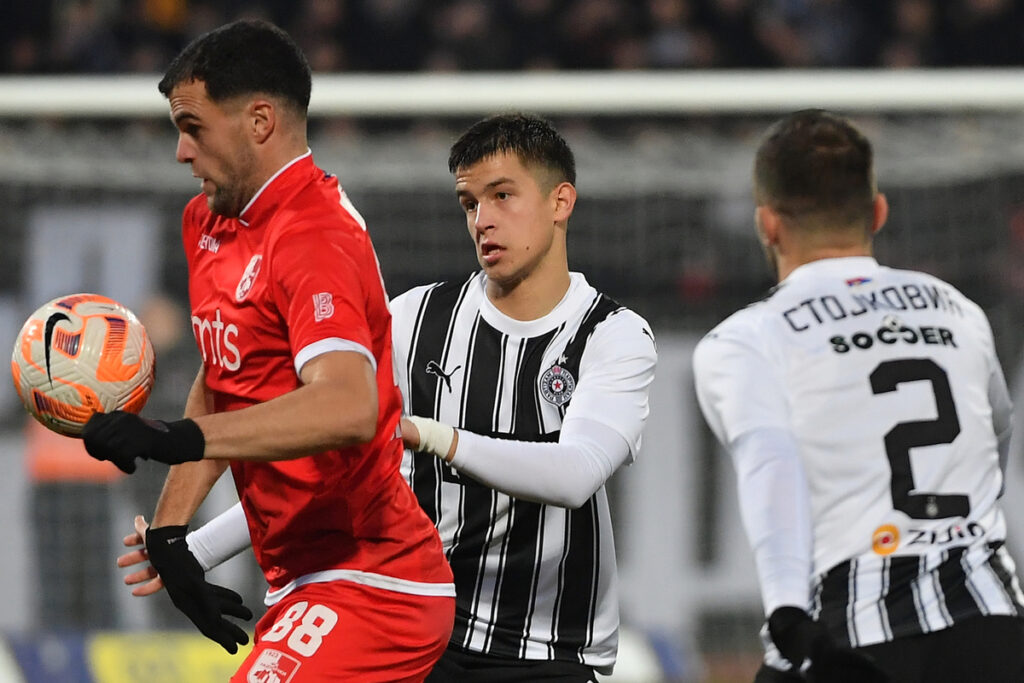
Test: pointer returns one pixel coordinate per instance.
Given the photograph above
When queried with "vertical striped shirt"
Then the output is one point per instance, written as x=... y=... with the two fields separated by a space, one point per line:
x=888 y=384
x=533 y=581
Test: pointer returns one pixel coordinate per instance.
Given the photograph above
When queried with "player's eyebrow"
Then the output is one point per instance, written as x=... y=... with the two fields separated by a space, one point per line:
x=500 y=181
x=179 y=118
x=489 y=186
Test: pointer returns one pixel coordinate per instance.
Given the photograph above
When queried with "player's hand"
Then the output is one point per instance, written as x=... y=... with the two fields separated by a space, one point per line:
x=204 y=603
x=147 y=576
x=800 y=639
x=122 y=437
x=424 y=435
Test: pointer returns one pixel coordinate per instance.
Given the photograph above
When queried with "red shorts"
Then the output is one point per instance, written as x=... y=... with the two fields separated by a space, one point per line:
x=344 y=631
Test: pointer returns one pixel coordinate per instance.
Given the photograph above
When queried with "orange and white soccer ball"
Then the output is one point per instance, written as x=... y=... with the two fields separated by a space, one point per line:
x=81 y=354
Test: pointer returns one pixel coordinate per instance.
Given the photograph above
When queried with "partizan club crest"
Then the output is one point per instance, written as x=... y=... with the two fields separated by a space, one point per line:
x=557 y=385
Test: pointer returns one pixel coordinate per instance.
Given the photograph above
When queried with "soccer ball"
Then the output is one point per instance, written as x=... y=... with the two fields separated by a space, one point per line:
x=81 y=354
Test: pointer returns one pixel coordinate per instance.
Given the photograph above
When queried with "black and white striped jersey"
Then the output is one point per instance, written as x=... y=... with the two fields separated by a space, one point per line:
x=533 y=581
x=888 y=382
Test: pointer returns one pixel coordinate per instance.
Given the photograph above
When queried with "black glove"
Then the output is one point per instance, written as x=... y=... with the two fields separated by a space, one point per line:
x=122 y=437
x=799 y=637
x=202 y=602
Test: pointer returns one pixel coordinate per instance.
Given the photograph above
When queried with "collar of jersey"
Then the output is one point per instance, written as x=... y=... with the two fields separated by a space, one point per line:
x=844 y=265
x=265 y=203
x=569 y=304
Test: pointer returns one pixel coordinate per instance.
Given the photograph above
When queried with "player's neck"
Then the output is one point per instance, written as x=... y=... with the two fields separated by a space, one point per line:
x=531 y=298
x=268 y=165
x=786 y=263
x=278 y=158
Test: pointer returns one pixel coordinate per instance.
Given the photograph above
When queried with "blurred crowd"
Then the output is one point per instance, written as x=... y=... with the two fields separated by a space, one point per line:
x=97 y=36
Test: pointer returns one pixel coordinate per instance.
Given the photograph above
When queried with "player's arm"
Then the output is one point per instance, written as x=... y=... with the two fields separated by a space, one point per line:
x=185 y=487
x=743 y=401
x=600 y=432
x=188 y=484
x=336 y=407
x=205 y=604
x=321 y=289
x=742 y=398
x=565 y=474
x=212 y=544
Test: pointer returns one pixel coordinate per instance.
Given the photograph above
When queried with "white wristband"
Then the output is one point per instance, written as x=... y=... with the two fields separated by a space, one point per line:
x=435 y=437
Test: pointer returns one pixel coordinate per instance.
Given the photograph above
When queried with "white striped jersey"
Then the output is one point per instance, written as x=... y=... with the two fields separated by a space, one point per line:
x=533 y=581
x=889 y=383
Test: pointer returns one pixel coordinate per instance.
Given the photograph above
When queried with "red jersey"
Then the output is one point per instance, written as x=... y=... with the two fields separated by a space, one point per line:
x=295 y=276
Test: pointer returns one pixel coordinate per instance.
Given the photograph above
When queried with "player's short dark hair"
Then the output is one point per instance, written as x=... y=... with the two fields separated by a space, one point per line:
x=814 y=163
x=242 y=58
x=529 y=137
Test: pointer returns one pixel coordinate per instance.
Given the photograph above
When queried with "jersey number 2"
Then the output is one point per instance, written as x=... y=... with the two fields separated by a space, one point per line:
x=906 y=435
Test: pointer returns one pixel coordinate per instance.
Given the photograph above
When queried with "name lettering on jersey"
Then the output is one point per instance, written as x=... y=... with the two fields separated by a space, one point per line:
x=831 y=308
x=323 y=306
x=248 y=277
x=886 y=538
x=209 y=243
x=217 y=341
x=954 y=532
x=893 y=331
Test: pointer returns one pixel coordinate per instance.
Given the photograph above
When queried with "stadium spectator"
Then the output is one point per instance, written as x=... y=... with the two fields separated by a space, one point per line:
x=732 y=29
x=868 y=420
x=985 y=32
x=412 y=35
x=536 y=34
x=465 y=39
x=912 y=39
x=676 y=40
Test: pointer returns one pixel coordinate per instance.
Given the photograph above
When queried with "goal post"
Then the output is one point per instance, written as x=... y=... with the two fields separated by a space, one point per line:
x=599 y=94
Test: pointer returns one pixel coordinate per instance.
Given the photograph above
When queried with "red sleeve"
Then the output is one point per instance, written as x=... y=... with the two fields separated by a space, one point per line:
x=317 y=278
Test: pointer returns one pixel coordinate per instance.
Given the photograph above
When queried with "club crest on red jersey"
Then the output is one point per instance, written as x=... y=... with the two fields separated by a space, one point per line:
x=557 y=385
x=272 y=666
x=248 y=277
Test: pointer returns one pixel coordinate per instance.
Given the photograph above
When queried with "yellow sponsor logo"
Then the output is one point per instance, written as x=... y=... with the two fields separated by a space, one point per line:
x=160 y=658
x=885 y=540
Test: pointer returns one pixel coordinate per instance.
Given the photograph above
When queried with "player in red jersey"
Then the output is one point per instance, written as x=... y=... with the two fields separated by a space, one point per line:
x=296 y=392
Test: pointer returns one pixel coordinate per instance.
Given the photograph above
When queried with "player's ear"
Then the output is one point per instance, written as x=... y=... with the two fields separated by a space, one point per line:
x=262 y=119
x=767 y=223
x=881 y=212
x=564 y=196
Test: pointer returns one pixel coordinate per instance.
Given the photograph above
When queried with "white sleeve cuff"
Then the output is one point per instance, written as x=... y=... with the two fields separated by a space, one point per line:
x=221 y=538
x=311 y=351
